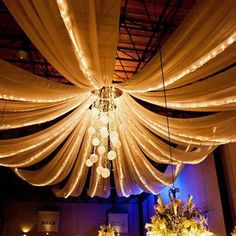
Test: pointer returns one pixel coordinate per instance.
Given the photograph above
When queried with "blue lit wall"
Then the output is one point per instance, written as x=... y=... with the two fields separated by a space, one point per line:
x=200 y=181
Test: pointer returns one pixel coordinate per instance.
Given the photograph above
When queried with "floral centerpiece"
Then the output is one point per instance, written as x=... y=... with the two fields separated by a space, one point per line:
x=107 y=230
x=177 y=219
x=234 y=231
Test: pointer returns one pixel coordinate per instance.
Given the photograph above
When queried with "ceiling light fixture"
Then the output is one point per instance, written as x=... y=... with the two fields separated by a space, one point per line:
x=105 y=138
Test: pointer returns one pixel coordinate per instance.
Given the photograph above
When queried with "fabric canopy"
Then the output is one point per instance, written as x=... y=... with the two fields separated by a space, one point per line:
x=80 y=41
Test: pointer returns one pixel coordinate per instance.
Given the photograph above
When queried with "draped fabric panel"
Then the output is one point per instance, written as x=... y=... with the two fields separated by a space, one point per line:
x=80 y=41
x=19 y=85
x=213 y=94
x=77 y=179
x=208 y=25
x=158 y=150
x=95 y=30
x=208 y=130
x=82 y=47
x=42 y=22
x=20 y=119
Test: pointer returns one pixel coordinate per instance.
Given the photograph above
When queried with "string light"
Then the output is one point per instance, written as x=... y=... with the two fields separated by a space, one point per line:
x=140 y=136
x=50 y=115
x=79 y=173
x=77 y=142
x=194 y=66
x=25 y=99
x=200 y=104
x=83 y=62
x=179 y=136
x=63 y=125
x=134 y=165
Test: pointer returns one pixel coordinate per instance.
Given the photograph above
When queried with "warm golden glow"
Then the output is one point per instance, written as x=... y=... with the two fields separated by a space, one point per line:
x=26 y=228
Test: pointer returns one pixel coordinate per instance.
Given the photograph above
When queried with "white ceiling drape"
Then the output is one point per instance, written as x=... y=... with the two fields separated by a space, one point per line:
x=80 y=41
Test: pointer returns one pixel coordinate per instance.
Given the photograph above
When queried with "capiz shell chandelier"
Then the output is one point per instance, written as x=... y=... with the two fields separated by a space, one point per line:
x=103 y=131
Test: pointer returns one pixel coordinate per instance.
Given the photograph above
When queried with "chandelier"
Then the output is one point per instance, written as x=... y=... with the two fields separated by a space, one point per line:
x=103 y=131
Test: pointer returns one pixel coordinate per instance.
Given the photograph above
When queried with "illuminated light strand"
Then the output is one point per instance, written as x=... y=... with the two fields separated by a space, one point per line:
x=130 y=156
x=39 y=143
x=11 y=105
x=120 y=171
x=70 y=122
x=134 y=148
x=122 y=184
x=24 y=99
x=34 y=157
x=81 y=169
x=150 y=141
x=194 y=66
x=163 y=130
x=212 y=103
x=140 y=190
x=158 y=128
x=78 y=140
x=206 y=140
x=120 y=175
x=63 y=7
x=54 y=114
x=131 y=178
x=179 y=137
x=137 y=131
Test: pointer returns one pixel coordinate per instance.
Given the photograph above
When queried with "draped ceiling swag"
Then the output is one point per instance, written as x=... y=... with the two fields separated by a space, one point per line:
x=80 y=41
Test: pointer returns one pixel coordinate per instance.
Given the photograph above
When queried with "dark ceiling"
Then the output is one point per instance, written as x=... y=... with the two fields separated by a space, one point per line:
x=145 y=25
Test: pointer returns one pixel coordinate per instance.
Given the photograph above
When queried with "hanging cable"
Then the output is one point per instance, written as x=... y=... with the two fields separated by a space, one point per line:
x=172 y=190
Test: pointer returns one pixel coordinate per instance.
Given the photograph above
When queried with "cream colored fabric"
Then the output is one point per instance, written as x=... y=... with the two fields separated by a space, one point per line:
x=212 y=94
x=79 y=40
x=19 y=85
x=12 y=120
x=94 y=24
x=207 y=25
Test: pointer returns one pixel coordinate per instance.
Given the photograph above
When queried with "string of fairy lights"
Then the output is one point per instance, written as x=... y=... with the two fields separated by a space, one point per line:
x=191 y=68
x=83 y=61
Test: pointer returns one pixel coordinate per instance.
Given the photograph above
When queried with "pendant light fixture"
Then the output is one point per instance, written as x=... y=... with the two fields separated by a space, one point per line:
x=103 y=131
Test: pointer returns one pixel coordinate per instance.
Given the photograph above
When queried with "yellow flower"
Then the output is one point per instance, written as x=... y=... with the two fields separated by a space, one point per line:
x=159 y=201
x=162 y=225
x=160 y=207
x=190 y=205
x=187 y=223
x=175 y=205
